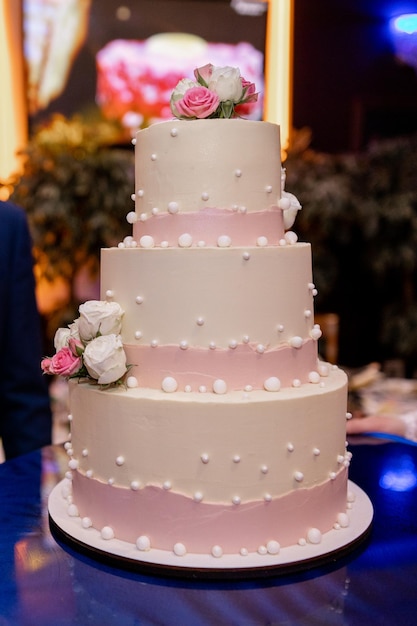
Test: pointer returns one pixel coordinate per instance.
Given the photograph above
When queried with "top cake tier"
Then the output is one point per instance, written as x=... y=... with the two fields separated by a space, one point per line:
x=184 y=166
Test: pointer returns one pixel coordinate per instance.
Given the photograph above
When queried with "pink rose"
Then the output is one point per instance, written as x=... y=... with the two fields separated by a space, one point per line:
x=249 y=91
x=64 y=363
x=46 y=365
x=197 y=102
x=76 y=346
x=203 y=74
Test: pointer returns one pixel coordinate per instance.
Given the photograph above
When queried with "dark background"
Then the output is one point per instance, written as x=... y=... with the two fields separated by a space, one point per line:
x=347 y=88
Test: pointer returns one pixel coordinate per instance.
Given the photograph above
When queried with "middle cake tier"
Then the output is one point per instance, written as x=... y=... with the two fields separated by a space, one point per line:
x=242 y=315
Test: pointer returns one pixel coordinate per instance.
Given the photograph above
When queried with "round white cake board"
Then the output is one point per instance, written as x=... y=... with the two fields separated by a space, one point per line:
x=334 y=544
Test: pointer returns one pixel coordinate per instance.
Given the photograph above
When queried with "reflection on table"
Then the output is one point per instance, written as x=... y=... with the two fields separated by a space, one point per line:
x=50 y=584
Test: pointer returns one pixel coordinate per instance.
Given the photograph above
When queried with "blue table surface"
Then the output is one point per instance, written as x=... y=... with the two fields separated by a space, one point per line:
x=47 y=583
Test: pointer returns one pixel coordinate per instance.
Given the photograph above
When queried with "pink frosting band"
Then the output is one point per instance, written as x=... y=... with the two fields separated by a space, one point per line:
x=238 y=366
x=167 y=517
x=209 y=224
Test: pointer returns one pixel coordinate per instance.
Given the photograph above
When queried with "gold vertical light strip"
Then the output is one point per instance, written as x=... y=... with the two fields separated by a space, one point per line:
x=278 y=67
x=13 y=116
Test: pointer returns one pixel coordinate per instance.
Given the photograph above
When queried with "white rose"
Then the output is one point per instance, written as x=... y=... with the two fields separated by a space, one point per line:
x=61 y=338
x=227 y=83
x=74 y=332
x=105 y=359
x=98 y=316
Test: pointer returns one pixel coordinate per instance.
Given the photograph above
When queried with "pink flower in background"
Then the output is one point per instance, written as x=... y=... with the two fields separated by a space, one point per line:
x=135 y=83
x=197 y=102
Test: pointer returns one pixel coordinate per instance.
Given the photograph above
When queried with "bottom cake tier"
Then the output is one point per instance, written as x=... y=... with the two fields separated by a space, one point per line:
x=209 y=474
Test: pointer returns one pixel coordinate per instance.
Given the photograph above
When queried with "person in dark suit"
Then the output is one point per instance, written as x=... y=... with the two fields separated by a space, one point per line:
x=25 y=414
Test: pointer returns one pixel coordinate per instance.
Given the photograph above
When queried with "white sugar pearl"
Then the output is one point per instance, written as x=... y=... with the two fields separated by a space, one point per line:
x=120 y=460
x=212 y=345
x=268 y=189
x=343 y=520
x=217 y=551
x=272 y=384
x=233 y=344
x=264 y=469
x=205 y=458
x=169 y=384
x=273 y=547
x=143 y=217
x=153 y=157
x=107 y=533
x=296 y=342
x=291 y=237
x=224 y=241
x=143 y=543
x=179 y=549
x=132 y=382
x=109 y=293
x=315 y=333
x=280 y=328
x=236 y=458
x=73 y=464
x=154 y=343
x=246 y=256
x=185 y=240
x=146 y=241
x=187 y=388
x=140 y=193
x=244 y=552
x=89 y=473
x=167 y=485
x=314 y=536
x=174 y=132
x=198 y=496
x=184 y=344
x=262 y=241
x=290 y=447
x=323 y=369
x=200 y=321
x=299 y=476
x=86 y=522
x=202 y=389
x=138 y=334
x=316 y=451
x=73 y=510
x=296 y=383
x=268 y=497
x=219 y=386
x=307 y=313
x=262 y=550
x=164 y=244
x=139 y=299
x=173 y=207
x=155 y=210
x=260 y=348
x=204 y=196
x=314 y=377
x=134 y=485
x=236 y=500
x=238 y=173
x=131 y=217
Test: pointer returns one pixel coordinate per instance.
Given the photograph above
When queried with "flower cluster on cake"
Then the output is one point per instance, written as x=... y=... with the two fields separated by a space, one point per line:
x=91 y=347
x=216 y=92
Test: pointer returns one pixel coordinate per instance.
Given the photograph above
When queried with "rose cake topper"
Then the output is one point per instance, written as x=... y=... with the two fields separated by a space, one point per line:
x=217 y=92
x=91 y=347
